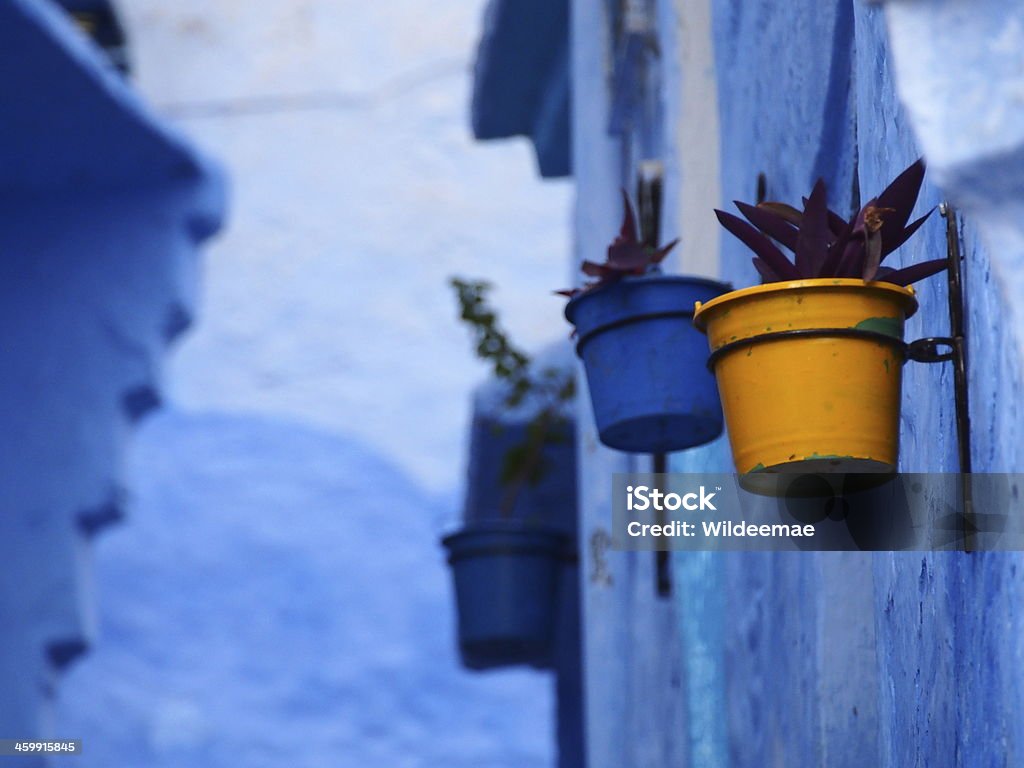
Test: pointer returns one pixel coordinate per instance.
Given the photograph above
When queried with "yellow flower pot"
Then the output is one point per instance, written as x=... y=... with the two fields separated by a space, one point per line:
x=809 y=373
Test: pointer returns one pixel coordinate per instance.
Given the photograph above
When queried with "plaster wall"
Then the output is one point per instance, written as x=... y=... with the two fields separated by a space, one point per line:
x=822 y=658
x=104 y=211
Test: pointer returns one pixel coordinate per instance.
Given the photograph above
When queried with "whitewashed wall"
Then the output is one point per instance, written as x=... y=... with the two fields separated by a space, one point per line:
x=281 y=597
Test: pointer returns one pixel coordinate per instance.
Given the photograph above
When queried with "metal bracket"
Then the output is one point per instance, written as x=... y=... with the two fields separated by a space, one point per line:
x=930 y=350
x=662 y=557
x=649 y=193
x=958 y=342
x=649 y=197
x=927 y=350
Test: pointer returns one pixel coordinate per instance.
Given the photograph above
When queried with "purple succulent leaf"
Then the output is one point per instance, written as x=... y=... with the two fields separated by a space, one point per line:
x=888 y=246
x=812 y=242
x=912 y=273
x=830 y=265
x=851 y=263
x=872 y=255
x=915 y=272
x=857 y=224
x=837 y=224
x=759 y=244
x=901 y=195
x=627 y=257
x=768 y=274
x=770 y=223
x=593 y=269
x=826 y=245
x=659 y=255
x=793 y=215
x=627 y=232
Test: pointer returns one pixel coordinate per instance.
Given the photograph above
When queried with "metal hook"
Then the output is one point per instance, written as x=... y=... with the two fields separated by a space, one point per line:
x=927 y=350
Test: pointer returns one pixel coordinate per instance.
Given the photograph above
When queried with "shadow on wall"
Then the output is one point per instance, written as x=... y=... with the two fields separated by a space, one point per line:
x=280 y=594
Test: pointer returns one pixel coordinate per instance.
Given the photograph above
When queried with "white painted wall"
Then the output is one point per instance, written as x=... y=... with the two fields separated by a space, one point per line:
x=693 y=128
x=268 y=603
x=357 y=190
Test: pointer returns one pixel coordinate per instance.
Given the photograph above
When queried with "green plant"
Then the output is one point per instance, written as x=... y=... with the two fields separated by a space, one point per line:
x=826 y=245
x=549 y=389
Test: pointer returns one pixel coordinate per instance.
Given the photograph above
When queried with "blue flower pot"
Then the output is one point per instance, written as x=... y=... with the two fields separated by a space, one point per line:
x=506 y=591
x=645 y=362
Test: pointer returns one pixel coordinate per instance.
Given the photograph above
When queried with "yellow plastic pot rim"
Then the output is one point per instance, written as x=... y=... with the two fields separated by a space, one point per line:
x=905 y=295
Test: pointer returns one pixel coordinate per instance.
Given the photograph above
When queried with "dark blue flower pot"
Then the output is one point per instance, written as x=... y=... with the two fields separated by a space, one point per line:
x=645 y=362
x=506 y=591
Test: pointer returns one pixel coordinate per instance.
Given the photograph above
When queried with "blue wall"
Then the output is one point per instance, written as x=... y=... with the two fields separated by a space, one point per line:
x=104 y=211
x=838 y=659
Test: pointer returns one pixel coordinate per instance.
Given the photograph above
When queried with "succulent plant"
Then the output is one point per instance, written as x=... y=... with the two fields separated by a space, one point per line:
x=826 y=245
x=627 y=255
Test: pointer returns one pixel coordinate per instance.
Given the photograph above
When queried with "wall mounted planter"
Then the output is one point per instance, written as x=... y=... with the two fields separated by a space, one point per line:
x=644 y=361
x=506 y=590
x=809 y=373
x=513 y=561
